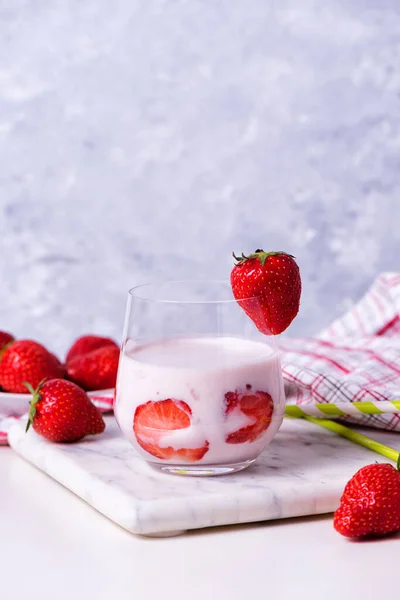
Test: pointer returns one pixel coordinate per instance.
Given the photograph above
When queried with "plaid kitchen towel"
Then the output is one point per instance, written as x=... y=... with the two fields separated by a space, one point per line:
x=356 y=359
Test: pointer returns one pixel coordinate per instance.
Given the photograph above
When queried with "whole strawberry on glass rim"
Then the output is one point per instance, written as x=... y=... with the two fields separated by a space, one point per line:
x=267 y=285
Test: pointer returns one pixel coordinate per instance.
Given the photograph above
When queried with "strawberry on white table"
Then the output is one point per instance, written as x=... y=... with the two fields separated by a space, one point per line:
x=370 y=504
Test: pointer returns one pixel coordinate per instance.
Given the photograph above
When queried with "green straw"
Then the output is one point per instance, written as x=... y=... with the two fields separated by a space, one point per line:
x=338 y=409
x=357 y=438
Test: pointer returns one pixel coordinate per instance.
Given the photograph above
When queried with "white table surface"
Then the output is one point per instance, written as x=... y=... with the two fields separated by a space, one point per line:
x=85 y=556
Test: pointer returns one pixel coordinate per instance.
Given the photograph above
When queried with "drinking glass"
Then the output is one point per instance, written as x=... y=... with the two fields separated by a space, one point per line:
x=199 y=388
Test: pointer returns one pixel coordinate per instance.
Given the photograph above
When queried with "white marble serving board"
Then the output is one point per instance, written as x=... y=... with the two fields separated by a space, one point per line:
x=302 y=472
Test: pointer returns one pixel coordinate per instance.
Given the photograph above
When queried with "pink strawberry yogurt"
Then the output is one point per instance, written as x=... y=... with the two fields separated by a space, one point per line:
x=200 y=401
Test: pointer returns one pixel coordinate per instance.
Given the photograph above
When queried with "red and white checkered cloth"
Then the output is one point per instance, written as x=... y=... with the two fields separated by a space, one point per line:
x=356 y=358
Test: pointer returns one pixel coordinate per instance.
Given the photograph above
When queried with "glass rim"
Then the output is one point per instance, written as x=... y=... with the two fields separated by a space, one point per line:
x=134 y=292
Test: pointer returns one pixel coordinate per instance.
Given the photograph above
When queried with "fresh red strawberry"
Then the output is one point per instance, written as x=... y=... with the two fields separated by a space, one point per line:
x=258 y=406
x=155 y=419
x=370 y=504
x=26 y=361
x=86 y=344
x=5 y=338
x=61 y=411
x=96 y=370
x=267 y=286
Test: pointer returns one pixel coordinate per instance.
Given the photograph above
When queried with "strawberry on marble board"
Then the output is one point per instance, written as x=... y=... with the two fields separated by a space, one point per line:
x=61 y=411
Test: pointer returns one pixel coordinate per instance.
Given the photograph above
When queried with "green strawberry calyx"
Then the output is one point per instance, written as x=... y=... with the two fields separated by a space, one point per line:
x=36 y=397
x=258 y=254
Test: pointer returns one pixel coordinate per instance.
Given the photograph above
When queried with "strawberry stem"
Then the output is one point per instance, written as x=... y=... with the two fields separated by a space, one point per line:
x=32 y=404
x=258 y=254
x=30 y=388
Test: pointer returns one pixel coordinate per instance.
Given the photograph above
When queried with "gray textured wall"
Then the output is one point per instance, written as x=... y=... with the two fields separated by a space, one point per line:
x=148 y=138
